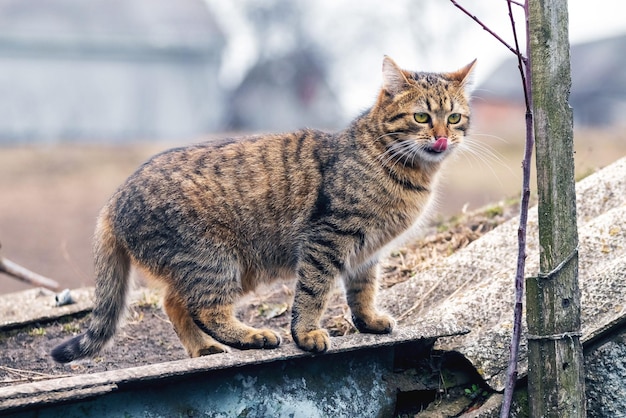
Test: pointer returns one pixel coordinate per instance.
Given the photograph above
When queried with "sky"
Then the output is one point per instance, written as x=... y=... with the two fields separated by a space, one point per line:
x=419 y=35
x=588 y=21
x=595 y=20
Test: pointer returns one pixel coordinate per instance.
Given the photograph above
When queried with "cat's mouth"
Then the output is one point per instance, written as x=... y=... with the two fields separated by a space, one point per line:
x=440 y=145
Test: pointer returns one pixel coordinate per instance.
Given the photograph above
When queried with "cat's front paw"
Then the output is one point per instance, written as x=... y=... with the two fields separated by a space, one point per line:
x=374 y=324
x=316 y=341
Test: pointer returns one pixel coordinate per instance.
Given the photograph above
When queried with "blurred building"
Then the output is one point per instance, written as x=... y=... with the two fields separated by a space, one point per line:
x=598 y=94
x=120 y=70
x=108 y=69
x=285 y=93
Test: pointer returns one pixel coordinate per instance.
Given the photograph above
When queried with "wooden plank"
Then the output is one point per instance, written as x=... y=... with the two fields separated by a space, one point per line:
x=555 y=370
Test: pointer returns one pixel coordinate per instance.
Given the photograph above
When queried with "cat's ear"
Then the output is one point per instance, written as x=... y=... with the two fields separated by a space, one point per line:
x=394 y=80
x=463 y=75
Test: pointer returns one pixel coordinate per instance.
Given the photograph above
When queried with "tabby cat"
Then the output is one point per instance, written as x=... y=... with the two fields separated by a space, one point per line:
x=212 y=221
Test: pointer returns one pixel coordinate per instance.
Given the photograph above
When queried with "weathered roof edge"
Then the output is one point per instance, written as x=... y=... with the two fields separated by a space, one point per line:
x=473 y=288
x=64 y=389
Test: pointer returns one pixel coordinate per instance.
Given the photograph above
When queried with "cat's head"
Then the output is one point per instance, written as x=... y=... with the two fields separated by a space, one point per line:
x=424 y=115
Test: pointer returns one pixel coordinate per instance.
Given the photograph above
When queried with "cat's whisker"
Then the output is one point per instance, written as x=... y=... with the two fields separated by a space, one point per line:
x=486 y=156
x=391 y=152
x=385 y=135
x=417 y=148
x=405 y=152
x=409 y=152
x=387 y=156
x=474 y=156
x=485 y=152
x=479 y=151
x=499 y=138
x=395 y=152
x=482 y=153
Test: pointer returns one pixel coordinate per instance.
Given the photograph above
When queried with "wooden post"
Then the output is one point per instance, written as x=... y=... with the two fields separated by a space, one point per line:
x=555 y=371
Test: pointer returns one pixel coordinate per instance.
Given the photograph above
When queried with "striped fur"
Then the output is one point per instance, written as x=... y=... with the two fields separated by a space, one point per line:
x=211 y=221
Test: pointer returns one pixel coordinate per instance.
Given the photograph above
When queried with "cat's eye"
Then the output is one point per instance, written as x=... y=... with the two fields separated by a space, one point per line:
x=422 y=117
x=454 y=118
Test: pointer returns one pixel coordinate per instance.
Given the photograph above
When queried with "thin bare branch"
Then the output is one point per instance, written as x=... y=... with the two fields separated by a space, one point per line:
x=512 y=370
x=511 y=375
x=492 y=33
x=25 y=275
x=520 y=61
x=524 y=69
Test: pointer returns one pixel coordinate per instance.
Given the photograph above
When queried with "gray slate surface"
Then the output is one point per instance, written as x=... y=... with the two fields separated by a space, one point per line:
x=39 y=305
x=474 y=289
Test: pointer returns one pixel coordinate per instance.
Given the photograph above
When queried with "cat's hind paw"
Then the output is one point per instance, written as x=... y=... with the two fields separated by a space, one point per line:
x=209 y=350
x=316 y=341
x=375 y=324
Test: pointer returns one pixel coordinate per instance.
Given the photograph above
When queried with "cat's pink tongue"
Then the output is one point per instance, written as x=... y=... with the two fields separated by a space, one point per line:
x=441 y=144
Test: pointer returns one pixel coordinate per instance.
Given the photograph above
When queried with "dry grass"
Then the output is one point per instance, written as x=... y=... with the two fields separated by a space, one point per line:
x=446 y=237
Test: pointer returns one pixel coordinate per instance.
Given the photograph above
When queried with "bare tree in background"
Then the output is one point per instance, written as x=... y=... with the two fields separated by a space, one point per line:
x=345 y=35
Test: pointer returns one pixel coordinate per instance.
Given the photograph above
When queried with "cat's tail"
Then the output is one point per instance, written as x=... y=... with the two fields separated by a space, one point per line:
x=112 y=269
